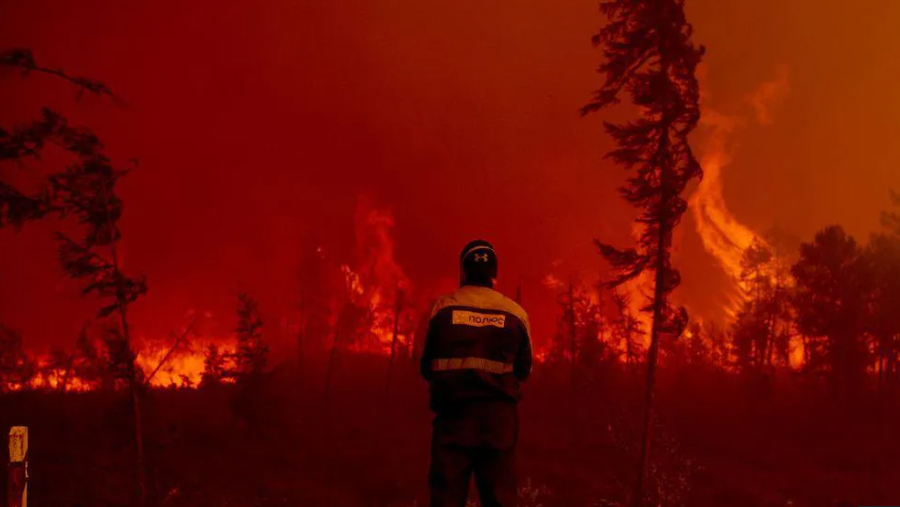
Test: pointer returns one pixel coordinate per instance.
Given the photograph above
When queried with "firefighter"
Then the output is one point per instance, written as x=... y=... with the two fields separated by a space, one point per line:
x=477 y=352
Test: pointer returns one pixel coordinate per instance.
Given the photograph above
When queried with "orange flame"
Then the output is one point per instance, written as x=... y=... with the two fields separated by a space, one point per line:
x=722 y=234
x=184 y=367
x=379 y=283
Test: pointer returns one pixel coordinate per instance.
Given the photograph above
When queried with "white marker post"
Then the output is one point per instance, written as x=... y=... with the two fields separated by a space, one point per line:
x=17 y=494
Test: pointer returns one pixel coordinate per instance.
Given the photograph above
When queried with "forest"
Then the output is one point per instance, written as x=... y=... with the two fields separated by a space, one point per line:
x=790 y=398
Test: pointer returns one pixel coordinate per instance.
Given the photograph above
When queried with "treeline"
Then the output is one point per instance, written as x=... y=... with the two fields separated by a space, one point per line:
x=827 y=309
x=99 y=361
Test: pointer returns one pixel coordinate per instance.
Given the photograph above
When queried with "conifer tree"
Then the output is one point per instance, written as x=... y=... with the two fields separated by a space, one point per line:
x=252 y=352
x=648 y=54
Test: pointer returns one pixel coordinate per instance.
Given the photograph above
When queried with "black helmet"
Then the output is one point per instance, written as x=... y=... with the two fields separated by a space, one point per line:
x=478 y=264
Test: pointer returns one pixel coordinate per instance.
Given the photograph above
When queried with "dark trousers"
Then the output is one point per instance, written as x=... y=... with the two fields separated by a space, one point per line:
x=452 y=467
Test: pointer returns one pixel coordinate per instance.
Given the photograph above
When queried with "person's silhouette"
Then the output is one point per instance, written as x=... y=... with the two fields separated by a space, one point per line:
x=477 y=351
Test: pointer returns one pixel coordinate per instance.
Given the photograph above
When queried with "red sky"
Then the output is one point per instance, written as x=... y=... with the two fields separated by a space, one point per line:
x=258 y=122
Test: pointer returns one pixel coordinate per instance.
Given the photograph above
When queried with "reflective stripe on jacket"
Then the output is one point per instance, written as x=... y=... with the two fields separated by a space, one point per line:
x=478 y=348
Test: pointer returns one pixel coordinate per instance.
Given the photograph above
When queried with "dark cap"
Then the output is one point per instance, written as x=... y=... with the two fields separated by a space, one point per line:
x=478 y=262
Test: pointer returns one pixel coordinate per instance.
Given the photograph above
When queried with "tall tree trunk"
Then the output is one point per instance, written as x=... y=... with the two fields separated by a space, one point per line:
x=397 y=309
x=659 y=304
x=133 y=387
x=572 y=353
x=136 y=406
x=573 y=424
x=301 y=323
x=329 y=369
x=652 y=358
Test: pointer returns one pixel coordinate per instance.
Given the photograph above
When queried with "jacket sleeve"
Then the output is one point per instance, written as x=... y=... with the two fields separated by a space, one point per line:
x=428 y=351
x=522 y=365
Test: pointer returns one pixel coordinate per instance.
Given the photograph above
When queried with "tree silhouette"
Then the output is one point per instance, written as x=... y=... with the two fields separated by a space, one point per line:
x=831 y=301
x=648 y=52
x=626 y=328
x=16 y=367
x=250 y=360
x=252 y=352
x=784 y=247
x=578 y=330
x=763 y=326
x=213 y=367
x=752 y=336
x=883 y=255
x=87 y=365
x=698 y=352
x=28 y=141
x=85 y=189
x=890 y=220
x=314 y=305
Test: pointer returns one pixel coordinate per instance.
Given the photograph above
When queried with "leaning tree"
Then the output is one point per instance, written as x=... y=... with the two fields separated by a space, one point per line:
x=648 y=54
x=84 y=190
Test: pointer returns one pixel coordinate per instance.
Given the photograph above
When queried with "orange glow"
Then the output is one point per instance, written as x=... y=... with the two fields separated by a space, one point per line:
x=184 y=367
x=379 y=283
x=723 y=235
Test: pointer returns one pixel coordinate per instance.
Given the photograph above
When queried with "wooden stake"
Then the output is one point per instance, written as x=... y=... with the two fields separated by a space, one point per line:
x=17 y=493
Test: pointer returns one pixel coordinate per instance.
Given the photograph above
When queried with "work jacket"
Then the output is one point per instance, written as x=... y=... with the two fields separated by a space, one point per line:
x=477 y=352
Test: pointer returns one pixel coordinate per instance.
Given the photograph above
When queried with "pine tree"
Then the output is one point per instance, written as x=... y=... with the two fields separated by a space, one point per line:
x=648 y=52
x=832 y=298
x=86 y=190
x=28 y=141
x=252 y=352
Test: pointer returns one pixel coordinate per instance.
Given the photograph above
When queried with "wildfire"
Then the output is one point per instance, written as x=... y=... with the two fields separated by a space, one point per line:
x=722 y=234
x=182 y=367
x=378 y=287
x=162 y=367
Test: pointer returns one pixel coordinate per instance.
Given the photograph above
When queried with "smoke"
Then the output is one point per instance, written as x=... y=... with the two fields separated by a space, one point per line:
x=770 y=95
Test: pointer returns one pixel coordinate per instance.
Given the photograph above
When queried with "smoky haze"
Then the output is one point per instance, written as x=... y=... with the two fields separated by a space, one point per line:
x=260 y=124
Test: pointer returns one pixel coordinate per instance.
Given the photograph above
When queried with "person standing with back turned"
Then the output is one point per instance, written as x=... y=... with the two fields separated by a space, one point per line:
x=477 y=352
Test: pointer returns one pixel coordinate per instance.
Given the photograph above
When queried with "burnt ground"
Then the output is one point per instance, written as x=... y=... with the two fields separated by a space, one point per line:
x=722 y=442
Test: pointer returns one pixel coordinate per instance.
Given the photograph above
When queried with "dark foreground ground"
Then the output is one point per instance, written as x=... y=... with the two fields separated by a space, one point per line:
x=721 y=442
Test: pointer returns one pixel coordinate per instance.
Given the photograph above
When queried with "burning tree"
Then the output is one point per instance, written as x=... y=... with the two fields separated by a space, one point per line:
x=752 y=337
x=648 y=52
x=579 y=329
x=762 y=329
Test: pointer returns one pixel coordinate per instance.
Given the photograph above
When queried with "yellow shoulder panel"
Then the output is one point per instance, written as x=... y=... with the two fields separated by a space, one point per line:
x=485 y=299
